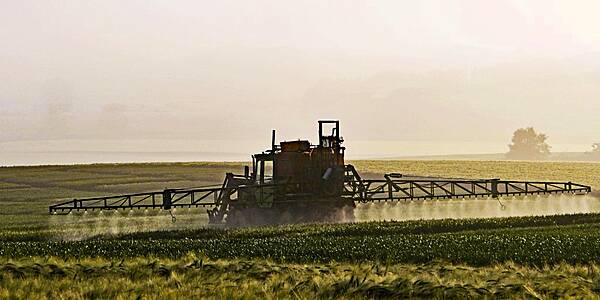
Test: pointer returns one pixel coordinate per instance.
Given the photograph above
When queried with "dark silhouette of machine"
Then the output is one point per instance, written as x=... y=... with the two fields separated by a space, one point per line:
x=297 y=182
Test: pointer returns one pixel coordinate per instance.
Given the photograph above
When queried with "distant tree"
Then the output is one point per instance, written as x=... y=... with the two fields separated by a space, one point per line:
x=596 y=148
x=528 y=144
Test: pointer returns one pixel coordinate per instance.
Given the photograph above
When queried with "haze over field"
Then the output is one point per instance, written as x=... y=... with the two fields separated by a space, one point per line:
x=404 y=77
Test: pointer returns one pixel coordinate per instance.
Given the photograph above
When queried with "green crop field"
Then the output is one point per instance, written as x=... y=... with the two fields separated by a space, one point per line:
x=143 y=254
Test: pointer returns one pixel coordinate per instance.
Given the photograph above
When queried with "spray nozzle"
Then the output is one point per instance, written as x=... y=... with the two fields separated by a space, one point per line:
x=502 y=206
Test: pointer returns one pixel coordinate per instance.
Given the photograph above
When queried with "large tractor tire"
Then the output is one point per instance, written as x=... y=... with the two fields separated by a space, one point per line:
x=323 y=211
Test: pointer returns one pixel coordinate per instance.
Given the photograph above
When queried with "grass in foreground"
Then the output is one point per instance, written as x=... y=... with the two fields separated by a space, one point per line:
x=193 y=277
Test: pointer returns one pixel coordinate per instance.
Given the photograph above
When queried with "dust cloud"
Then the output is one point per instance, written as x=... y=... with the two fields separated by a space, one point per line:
x=477 y=208
x=86 y=225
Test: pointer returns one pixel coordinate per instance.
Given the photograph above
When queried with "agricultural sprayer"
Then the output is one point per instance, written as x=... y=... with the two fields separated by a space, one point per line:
x=295 y=181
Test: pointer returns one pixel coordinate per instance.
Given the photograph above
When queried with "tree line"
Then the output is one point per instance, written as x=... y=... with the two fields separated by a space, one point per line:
x=527 y=144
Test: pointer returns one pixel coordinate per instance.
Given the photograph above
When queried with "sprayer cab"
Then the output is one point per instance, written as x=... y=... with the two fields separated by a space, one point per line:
x=308 y=168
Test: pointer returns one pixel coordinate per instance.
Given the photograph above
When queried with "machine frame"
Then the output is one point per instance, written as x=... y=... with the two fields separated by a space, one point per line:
x=309 y=183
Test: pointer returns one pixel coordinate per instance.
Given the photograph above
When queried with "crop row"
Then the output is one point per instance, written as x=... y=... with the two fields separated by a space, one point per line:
x=92 y=228
x=572 y=244
x=372 y=228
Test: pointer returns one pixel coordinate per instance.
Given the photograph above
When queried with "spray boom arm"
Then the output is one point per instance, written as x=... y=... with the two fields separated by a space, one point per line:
x=394 y=187
x=315 y=178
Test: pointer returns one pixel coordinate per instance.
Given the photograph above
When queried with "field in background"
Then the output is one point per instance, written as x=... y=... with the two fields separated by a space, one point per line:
x=553 y=157
x=586 y=173
x=26 y=192
x=94 y=255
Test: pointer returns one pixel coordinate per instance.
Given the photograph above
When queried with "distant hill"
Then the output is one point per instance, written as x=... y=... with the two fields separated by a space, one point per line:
x=558 y=156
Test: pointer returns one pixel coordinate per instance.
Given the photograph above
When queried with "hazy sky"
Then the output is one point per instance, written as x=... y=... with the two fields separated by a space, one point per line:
x=464 y=71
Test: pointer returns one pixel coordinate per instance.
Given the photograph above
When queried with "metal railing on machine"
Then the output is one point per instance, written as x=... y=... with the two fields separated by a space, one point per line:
x=167 y=199
x=392 y=189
